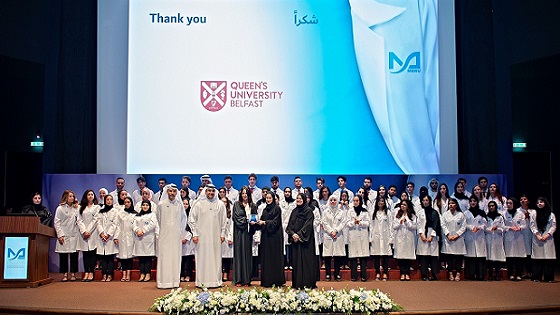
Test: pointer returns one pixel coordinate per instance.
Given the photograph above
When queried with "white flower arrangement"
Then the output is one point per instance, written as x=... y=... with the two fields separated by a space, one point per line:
x=274 y=301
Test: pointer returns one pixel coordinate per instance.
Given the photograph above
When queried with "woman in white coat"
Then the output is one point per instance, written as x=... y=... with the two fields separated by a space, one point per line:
x=453 y=226
x=334 y=221
x=106 y=228
x=124 y=236
x=482 y=201
x=429 y=232
x=87 y=224
x=187 y=257
x=357 y=221
x=227 y=244
x=543 y=226
x=67 y=233
x=527 y=235
x=380 y=237
x=494 y=194
x=475 y=241
x=496 y=255
x=146 y=229
x=405 y=226
x=286 y=206
x=514 y=242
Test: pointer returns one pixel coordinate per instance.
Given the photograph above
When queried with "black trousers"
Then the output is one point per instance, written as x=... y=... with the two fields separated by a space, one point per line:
x=379 y=261
x=354 y=267
x=494 y=268
x=428 y=262
x=64 y=262
x=475 y=267
x=187 y=266
x=404 y=266
x=337 y=264
x=145 y=264
x=89 y=258
x=543 y=266
x=454 y=262
x=514 y=266
x=126 y=264
x=107 y=264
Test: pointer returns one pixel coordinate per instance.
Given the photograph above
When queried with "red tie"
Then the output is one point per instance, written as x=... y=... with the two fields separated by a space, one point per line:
x=228 y=191
x=251 y=190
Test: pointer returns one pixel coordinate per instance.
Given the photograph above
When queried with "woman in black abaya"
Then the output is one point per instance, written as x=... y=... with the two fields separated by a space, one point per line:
x=272 y=243
x=300 y=235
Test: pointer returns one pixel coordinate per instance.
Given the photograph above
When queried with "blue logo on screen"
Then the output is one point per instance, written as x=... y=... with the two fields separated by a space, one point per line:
x=20 y=255
x=412 y=63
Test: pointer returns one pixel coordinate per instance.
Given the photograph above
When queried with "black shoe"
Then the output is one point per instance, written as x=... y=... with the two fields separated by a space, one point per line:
x=328 y=277
x=363 y=279
x=433 y=278
x=337 y=278
x=424 y=278
x=354 y=280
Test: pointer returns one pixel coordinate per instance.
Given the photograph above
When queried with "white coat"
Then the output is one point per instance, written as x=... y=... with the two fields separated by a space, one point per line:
x=426 y=248
x=227 y=248
x=546 y=249
x=65 y=224
x=358 y=233
x=404 y=237
x=527 y=233
x=107 y=224
x=514 y=242
x=333 y=220
x=380 y=234
x=125 y=234
x=495 y=239
x=317 y=228
x=87 y=222
x=475 y=242
x=444 y=206
x=189 y=246
x=145 y=245
x=453 y=224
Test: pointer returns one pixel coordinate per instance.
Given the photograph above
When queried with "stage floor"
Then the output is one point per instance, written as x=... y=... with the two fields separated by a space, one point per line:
x=416 y=297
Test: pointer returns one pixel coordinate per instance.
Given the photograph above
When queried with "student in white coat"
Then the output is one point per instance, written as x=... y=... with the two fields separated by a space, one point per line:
x=453 y=226
x=496 y=255
x=514 y=242
x=405 y=226
x=460 y=194
x=380 y=237
x=106 y=228
x=482 y=201
x=317 y=227
x=442 y=199
x=124 y=237
x=146 y=229
x=475 y=241
x=227 y=245
x=67 y=233
x=543 y=226
x=344 y=205
x=87 y=224
x=187 y=257
x=146 y=195
x=286 y=206
x=429 y=232
x=357 y=221
x=334 y=221
x=494 y=194
x=527 y=236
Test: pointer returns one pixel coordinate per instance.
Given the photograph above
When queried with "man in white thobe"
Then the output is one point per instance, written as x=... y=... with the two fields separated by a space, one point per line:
x=208 y=225
x=172 y=221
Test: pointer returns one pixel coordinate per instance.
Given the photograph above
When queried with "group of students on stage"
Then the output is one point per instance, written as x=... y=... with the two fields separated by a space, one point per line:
x=298 y=229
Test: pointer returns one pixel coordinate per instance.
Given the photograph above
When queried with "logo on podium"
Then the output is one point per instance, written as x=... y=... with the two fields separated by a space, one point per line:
x=213 y=95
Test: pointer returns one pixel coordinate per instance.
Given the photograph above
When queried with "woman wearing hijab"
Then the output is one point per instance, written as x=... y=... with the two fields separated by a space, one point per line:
x=45 y=216
x=65 y=219
x=301 y=237
x=287 y=205
x=429 y=232
x=106 y=228
x=145 y=227
x=242 y=238
x=405 y=226
x=514 y=242
x=475 y=241
x=460 y=195
x=453 y=226
x=543 y=226
x=380 y=237
x=334 y=221
x=271 y=244
x=87 y=243
x=187 y=257
x=357 y=221
x=124 y=236
x=146 y=195
x=496 y=255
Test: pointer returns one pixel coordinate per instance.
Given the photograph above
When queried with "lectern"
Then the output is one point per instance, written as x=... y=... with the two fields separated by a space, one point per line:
x=25 y=248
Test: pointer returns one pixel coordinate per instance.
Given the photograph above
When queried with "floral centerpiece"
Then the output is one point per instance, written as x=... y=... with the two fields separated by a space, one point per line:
x=283 y=300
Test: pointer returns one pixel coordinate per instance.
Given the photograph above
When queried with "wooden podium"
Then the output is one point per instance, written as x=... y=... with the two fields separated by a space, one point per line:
x=38 y=249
